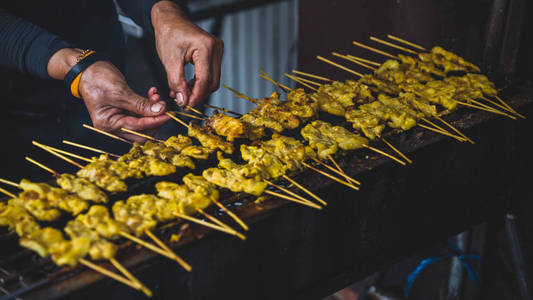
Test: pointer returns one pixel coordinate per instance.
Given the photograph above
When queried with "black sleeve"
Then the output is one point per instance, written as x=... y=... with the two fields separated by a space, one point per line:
x=26 y=47
x=140 y=11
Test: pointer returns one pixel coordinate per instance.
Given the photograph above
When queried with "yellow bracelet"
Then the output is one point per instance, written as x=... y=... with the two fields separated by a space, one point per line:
x=75 y=85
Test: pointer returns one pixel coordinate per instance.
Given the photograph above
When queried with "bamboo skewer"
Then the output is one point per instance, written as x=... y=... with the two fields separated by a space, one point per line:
x=504 y=103
x=491 y=108
x=11 y=183
x=406 y=42
x=56 y=174
x=339 y=66
x=195 y=110
x=89 y=148
x=308 y=192
x=231 y=214
x=240 y=95
x=57 y=154
x=401 y=162
x=461 y=139
x=7 y=193
x=454 y=129
x=142 y=135
x=486 y=109
x=188 y=115
x=331 y=176
x=130 y=276
x=375 y=50
x=265 y=76
x=312 y=76
x=339 y=172
x=207 y=224
x=305 y=80
x=441 y=132
x=173 y=117
x=396 y=150
x=342 y=173
x=223 y=109
x=109 y=274
x=502 y=107
x=353 y=60
x=107 y=133
x=300 y=82
x=163 y=246
x=308 y=203
x=85 y=159
x=146 y=245
x=288 y=198
x=375 y=39
x=222 y=224
x=366 y=61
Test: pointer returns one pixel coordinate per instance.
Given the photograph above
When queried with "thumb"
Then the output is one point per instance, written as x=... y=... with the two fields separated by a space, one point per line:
x=177 y=82
x=141 y=106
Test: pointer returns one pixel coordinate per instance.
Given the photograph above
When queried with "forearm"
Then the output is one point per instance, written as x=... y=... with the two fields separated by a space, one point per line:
x=26 y=47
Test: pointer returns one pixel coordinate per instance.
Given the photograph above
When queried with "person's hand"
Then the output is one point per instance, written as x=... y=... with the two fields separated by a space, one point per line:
x=179 y=42
x=113 y=105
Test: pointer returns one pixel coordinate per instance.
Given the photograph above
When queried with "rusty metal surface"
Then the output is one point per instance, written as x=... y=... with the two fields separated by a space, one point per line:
x=212 y=253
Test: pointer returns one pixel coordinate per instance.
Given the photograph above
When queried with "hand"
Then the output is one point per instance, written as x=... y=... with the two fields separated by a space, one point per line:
x=178 y=42
x=113 y=105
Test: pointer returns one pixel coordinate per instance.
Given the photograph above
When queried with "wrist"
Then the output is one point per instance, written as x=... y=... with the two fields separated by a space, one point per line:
x=164 y=13
x=62 y=61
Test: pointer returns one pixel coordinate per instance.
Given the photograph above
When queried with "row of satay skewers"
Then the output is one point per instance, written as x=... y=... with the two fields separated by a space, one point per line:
x=408 y=89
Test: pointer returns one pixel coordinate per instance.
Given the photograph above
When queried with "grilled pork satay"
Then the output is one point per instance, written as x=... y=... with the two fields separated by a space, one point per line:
x=109 y=174
x=260 y=159
x=139 y=163
x=289 y=150
x=226 y=126
x=168 y=154
x=209 y=140
x=196 y=193
x=82 y=187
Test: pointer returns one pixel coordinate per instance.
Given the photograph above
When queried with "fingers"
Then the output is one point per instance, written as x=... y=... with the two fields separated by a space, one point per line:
x=207 y=66
x=153 y=95
x=145 y=125
x=176 y=80
x=141 y=106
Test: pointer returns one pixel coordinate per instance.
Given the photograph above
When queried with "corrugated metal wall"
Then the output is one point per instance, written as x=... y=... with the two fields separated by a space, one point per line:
x=260 y=38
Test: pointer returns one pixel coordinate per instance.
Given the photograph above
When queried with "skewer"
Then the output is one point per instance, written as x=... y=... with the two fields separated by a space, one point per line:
x=401 y=162
x=222 y=224
x=339 y=66
x=502 y=107
x=223 y=109
x=188 y=115
x=300 y=82
x=11 y=183
x=348 y=178
x=278 y=84
x=207 y=224
x=163 y=246
x=142 y=135
x=177 y=119
x=108 y=134
x=7 y=193
x=90 y=148
x=240 y=95
x=353 y=60
x=305 y=80
x=231 y=214
x=396 y=150
x=146 y=245
x=309 y=203
x=454 y=129
x=308 y=192
x=461 y=139
x=312 y=76
x=330 y=176
x=335 y=171
x=441 y=132
x=366 y=61
x=57 y=154
x=406 y=42
x=42 y=166
x=486 y=109
x=375 y=39
x=130 y=276
x=108 y=273
x=292 y=199
x=195 y=110
x=374 y=50
x=504 y=103
x=69 y=154
x=489 y=107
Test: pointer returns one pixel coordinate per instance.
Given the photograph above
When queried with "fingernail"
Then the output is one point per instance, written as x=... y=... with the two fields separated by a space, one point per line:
x=179 y=98
x=156 y=107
